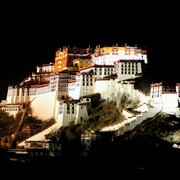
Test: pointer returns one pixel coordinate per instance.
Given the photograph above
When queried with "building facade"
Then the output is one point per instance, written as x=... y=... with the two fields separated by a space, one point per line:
x=165 y=94
x=56 y=90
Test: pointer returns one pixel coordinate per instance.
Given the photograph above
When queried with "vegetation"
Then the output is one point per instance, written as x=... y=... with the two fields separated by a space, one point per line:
x=125 y=101
x=145 y=149
x=10 y=124
x=109 y=112
x=161 y=126
x=101 y=113
x=105 y=114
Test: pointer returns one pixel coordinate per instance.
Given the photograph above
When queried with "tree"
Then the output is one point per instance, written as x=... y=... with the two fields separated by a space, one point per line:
x=125 y=101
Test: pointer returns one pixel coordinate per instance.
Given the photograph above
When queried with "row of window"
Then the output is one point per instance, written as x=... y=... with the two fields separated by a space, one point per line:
x=87 y=84
x=12 y=109
x=105 y=69
x=129 y=65
x=68 y=112
x=88 y=79
x=129 y=69
x=87 y=75
x=155 y=95
x=128 y=72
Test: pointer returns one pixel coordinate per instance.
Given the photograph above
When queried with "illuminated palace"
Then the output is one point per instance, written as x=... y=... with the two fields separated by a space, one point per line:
x=63 y=89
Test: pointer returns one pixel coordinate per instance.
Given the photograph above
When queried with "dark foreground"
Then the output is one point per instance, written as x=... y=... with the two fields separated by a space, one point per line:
x=86 y=167
x=138 y=154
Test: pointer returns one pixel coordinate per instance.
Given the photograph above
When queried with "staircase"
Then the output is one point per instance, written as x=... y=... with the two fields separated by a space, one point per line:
x=41 y=136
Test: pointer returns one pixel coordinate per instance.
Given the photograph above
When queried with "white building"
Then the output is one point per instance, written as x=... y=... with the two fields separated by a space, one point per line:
x=12 y=109
x=166 y=95
x=49 y=100
x=74 y=111
x=59 y=94
x=109 y=55
x=108 y=87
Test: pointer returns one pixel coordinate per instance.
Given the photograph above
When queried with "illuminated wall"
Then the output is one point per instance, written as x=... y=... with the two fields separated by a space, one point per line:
x=82 y=113
x=61 y=59
x=44 y=98
x=141 y=96
x=109 y=55
x=156 y=93
x=64 y=57
x=12 y=109
x=111 y=88
x=170 y=100
x=74 y=87
x=10 y=95
x=17 y=95
x=164 y=93
x=82 y=62
x=108 y=88
x=45 y=68
x=178 y=91
x=72 y=111
x=128 y=87
x=128 y=69
x=43 y=106
x=89 y=76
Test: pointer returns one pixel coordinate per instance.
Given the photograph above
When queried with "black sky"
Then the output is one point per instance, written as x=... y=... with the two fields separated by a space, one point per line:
x=31 y=34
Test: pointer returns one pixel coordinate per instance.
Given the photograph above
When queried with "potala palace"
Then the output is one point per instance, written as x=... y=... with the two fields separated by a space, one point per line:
x=63 y=89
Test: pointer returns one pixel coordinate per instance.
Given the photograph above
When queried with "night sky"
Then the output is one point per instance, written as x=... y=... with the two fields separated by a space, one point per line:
x=31 y=34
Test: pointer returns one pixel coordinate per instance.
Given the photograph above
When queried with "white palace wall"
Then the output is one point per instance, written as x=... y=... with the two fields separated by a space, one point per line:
x=43 y=105
x=107 y=88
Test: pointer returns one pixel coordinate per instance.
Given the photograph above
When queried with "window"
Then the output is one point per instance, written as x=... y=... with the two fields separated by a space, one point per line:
x=81 y=119
x=68 y=109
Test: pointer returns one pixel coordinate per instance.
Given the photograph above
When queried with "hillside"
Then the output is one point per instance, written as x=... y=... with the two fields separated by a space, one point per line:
x=149 y=149
x=10 y=125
